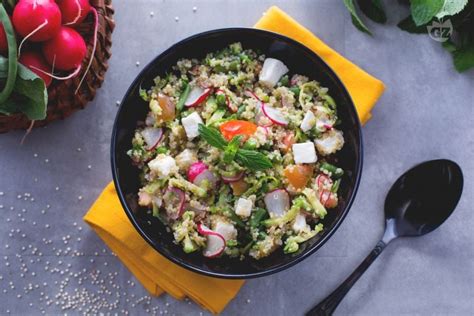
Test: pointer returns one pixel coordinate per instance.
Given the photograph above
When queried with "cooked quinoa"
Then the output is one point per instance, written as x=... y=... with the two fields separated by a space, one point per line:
x=234 y=154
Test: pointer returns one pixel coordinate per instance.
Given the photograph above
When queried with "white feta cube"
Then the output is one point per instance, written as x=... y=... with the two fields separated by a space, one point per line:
x=191 y=124
x=299 y=224
x=308 y=121
x=272 y=71
x=330 y=142
x=243 y=207
x=304 y=153
x=163 y=165
x=227 y=230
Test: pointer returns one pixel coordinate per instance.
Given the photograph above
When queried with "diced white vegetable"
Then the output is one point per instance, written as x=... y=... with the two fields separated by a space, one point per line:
x=300 y=223
x=277 y=202
x=163 y=165
x=308 y=122
x=227 y=230
x=191 y=124
x=186 y=158
x=243 y=207
x=272 y=71
x=330 y=142
x=304 y=153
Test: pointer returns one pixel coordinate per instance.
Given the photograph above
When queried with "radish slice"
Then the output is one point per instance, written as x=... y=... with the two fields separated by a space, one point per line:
x=152 y=137
x=322 y=180
x=197 y=96
x=272 y=71
x=174 y=202
x=277 y=202
x=208 y=176
x=250 y=94
x=215 y=242
x=324 y=197
x=274 y=115
x=233 y=178
x=195 y=169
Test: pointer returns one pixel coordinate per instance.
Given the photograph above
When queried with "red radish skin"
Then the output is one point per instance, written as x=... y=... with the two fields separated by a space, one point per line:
x=3 y=40
x=34 y=61
x=74 y=11
x=197 y=96
x=66 y=50
x=196 y=169
x=37 y=20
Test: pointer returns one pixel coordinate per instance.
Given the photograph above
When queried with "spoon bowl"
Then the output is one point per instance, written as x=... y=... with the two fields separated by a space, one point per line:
x=423 y=197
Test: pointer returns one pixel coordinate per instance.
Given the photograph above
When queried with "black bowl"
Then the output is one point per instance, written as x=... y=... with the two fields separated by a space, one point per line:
x=299 y=59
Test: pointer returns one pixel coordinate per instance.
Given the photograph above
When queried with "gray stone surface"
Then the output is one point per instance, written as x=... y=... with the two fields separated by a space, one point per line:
x=426 y=112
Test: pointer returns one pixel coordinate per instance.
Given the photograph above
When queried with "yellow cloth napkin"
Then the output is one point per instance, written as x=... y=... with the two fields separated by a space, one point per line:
x=156 y=273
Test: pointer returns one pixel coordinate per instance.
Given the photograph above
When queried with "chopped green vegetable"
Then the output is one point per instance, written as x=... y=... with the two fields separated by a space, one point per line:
x=183 y=96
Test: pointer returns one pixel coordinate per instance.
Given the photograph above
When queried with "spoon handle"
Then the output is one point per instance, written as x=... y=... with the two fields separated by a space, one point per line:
x=329 y=304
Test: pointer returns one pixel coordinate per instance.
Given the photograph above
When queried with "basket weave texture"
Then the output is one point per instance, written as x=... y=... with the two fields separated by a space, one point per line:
x=62 y=99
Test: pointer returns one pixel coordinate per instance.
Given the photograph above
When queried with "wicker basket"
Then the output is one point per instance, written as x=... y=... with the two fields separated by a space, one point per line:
x=62 y=101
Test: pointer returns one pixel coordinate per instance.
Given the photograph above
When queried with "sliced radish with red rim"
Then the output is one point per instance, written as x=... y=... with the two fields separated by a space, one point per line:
x=196 y=96
x=322 y=180
x=152 y=137
x=215 y=242
x=174 y=199
x=274 y=115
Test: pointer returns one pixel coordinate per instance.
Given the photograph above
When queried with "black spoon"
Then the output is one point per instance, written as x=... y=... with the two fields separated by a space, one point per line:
x=418 y=203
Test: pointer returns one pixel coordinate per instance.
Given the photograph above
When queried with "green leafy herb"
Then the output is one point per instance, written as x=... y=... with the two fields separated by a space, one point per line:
x=429 y=16
x=373 y=9
x=212 y=136
x=423 y=11
x=355 y=18
x=250 y=159
x=231 y=149
x=408 y=25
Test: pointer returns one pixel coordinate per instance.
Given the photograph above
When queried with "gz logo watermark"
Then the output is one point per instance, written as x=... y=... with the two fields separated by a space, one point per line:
x=440 y=30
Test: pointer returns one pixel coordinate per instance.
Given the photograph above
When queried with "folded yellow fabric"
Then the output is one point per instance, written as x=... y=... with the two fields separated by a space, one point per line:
x=364 y=89
x=158 y=274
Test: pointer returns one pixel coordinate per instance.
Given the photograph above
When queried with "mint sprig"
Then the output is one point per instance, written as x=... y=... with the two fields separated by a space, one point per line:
x=250 y=159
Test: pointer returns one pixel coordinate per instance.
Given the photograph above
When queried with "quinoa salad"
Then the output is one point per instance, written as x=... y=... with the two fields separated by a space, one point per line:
x=234 y=154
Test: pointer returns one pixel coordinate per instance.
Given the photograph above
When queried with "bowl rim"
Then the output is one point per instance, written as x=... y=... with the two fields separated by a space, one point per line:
x=183 y=263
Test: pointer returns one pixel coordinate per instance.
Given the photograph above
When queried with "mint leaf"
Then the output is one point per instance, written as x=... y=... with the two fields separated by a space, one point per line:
x=212 y=136
x=355 y=18
x=423 y=11
x=373 y=9
x=408 y=25
x=451 y=7
x=231 y=149
x=253 y=160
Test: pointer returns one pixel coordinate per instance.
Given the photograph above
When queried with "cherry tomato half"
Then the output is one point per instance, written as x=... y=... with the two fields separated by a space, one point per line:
x=236 y=127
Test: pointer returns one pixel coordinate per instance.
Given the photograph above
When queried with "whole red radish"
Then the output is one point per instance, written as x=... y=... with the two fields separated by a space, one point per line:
x=74 y=11
x=66 y=50
x=37 y=20
x=34 y=61
x=3 y=40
